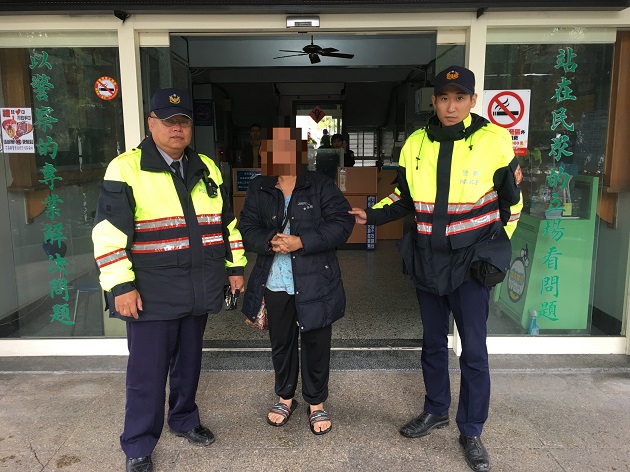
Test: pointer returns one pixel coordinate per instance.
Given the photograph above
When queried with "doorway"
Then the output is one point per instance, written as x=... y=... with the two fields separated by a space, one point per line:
x=319 y=119
x=370 y=98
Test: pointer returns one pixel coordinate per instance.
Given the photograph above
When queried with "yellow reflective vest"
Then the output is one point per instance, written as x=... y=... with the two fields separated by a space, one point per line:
x=172 y=240
x=461 y=183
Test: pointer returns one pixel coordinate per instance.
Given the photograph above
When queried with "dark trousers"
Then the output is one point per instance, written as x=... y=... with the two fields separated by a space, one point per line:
x=315 y=344
x=469 y=305
x=158 y=349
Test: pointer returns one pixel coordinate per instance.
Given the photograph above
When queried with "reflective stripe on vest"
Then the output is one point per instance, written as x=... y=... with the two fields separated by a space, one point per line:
x=161 y=246
x=160 y=223
x=454 y=208
x=110 y=258
x=473 y=223
x=394 y=197
x=423 y=207
x=236 y=245
x=424 y=228
x=209 y=219
x=210 y=239
x=470 y=224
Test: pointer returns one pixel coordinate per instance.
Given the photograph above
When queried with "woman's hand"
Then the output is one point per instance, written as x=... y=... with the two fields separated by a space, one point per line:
x=286 y=243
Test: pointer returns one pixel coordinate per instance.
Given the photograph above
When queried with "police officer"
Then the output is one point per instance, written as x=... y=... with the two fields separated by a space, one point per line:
x=459 y=177
x=164 y=237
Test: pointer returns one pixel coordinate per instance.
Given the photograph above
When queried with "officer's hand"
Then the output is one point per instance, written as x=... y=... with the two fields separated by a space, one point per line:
x=360 y=216
x=128 y=304
x=237 y=282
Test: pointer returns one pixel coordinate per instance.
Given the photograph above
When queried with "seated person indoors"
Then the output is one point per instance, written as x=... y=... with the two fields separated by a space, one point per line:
x=325 y=142
x=339 y=143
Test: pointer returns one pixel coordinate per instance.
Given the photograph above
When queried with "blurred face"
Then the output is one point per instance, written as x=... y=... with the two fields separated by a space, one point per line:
x=284 y=153
x=254 y=134
x=453 y=105
x=171 y=135
x=337 y=143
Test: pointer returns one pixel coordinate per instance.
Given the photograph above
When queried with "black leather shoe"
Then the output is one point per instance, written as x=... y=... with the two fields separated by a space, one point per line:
x=476 y=455
x=139 y=464
x=423 y=424
x=199 y=435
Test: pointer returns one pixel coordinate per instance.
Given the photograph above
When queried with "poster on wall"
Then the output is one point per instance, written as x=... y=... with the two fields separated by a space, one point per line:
x=509 y=109
x=244 y=178
x=17 y=130
x=203 y=111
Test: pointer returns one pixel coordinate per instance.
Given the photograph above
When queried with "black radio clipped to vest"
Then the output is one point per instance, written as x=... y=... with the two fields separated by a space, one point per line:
x=211 y=187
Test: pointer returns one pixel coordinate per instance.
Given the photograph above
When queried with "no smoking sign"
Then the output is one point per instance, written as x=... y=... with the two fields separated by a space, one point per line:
x=106 y=88
x=506 y=109
x=509 y=109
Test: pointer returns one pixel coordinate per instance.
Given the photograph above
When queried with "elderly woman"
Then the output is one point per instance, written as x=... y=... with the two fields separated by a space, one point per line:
x=293 y=220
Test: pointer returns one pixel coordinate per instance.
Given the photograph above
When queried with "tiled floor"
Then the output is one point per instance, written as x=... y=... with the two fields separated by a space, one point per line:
x=381 y=306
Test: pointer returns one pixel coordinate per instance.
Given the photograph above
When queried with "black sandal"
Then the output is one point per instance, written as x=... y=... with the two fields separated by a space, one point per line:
x=317 y=416
x=282 y=410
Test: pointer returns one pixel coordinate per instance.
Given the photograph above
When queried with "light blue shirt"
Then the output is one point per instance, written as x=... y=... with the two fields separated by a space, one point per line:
x=281 y=274
x=169 y=160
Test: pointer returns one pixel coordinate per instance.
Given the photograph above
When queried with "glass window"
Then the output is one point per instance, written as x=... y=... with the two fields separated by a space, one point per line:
x=364 y=145
x=449 y=55
x=549 y=287
x=155 y=63
x=62 y=124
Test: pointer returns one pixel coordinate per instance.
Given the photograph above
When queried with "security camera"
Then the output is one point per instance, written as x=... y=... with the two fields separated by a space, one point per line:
x=121 y=15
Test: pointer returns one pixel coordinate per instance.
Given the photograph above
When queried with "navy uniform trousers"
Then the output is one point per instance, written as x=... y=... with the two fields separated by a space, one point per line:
x=158 y=349
x=469 y=305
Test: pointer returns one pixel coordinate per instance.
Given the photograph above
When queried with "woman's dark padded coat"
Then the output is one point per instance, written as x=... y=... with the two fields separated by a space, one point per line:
x=318 y=214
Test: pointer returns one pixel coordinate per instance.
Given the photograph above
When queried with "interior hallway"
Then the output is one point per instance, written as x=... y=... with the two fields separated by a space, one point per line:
x=381 y=311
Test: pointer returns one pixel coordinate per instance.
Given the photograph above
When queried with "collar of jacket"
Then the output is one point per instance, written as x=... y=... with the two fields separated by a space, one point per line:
x=269 y=182
x=151 y=160
x=462 y=130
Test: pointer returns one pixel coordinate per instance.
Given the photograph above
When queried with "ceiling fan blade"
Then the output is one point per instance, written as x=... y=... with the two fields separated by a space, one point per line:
x=339 y=54
x=314 y=58
x=286 y=50
x=327 y=50
x=290 y=55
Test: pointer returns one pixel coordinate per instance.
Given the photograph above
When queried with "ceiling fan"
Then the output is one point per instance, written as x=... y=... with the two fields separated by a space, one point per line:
x=314 y=51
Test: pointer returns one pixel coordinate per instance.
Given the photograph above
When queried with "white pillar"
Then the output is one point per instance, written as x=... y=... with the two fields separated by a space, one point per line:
x=476 y=57
x=130 y=83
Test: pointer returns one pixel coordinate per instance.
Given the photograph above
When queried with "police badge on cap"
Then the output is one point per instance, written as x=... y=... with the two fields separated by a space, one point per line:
x=170 y=102
x=460 y=77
